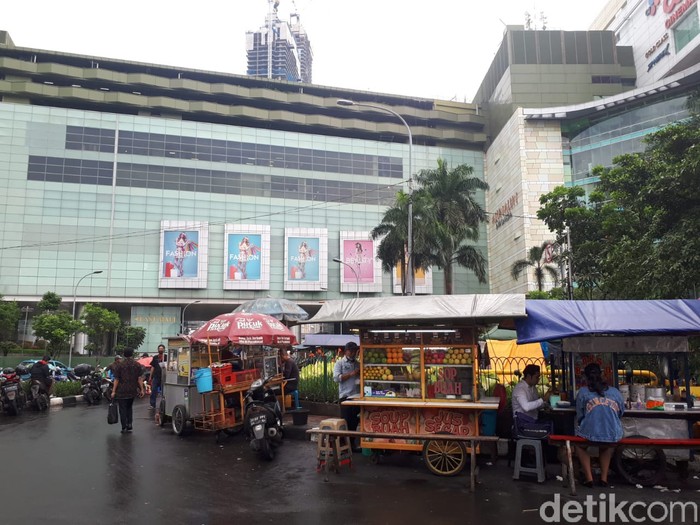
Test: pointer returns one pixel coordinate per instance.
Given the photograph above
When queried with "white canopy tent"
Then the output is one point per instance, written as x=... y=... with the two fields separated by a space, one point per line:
x=456 y=309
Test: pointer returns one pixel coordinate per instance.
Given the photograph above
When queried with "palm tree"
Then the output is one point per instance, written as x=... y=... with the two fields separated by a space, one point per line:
x=451 y=217
x=534 y=259
x=393 y=232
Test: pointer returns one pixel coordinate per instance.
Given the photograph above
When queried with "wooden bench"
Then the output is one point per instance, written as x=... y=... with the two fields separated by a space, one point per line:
x=472 y=440
x=635 y=442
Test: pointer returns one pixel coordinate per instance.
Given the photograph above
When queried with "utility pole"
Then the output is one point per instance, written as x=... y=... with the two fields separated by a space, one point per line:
x=569 y=264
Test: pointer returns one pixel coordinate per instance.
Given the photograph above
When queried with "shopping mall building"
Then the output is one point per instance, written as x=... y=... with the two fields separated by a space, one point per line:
x=192 y=191
x=183 y=186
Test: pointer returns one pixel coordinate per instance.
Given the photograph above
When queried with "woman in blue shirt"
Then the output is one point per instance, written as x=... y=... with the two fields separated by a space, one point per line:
x=599 y=408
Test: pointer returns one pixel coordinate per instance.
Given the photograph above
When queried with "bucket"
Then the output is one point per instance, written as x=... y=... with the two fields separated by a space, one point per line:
x=636 y=389
x=625 y=391
x=300 y=416
x=488 y=423
x=204 y=381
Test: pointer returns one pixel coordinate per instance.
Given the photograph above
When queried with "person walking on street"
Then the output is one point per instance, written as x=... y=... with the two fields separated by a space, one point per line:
x=347 y=374
x=128 y=383
x=156 y=379
x=109 y=371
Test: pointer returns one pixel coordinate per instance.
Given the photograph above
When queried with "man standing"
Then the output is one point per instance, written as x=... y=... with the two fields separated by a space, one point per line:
x=156 y=380
x=128 y=383
x=290 y=371
x=347 y=374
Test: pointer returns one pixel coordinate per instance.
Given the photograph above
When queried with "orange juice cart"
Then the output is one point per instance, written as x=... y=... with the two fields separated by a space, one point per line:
x=419 y=369
x=203 y=393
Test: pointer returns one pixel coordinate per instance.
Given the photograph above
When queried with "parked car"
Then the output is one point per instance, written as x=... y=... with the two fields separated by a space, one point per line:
x=57 y=369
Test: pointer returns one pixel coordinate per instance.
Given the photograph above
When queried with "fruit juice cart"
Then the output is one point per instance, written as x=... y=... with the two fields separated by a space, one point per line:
x=419 y=369
x=190 y=401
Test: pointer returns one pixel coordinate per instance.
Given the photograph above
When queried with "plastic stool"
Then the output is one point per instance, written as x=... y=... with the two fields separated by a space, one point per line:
x=334 y=450
x=536 y=445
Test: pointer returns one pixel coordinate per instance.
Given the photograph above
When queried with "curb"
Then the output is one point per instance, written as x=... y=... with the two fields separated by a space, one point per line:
x=68 y=401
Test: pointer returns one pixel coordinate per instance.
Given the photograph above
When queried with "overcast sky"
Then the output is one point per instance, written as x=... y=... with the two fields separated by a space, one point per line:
x=433 y=49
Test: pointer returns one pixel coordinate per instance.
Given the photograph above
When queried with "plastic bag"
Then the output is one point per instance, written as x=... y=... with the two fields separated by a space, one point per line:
x=112 y=413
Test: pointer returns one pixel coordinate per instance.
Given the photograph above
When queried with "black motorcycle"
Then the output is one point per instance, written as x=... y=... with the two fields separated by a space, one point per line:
x=12 y=396
x=38 y=396
x=91 y=381
x=263 y=419
x=106 y=387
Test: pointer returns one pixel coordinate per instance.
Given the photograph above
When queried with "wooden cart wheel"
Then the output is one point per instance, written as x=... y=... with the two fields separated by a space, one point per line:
x=179 y=418
x=444 y=458
x=161 y=413
x=640 y=466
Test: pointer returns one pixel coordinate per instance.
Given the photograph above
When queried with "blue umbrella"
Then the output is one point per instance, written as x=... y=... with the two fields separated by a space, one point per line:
x=281 y=309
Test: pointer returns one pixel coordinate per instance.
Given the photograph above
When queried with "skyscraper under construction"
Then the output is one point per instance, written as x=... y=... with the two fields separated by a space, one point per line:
x=279 y=50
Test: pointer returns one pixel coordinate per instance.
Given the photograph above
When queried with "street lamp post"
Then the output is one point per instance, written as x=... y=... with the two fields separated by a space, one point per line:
x=182 y=320
x=75 y=291
x=25 y=310
x=357 y=277
x=410 y=277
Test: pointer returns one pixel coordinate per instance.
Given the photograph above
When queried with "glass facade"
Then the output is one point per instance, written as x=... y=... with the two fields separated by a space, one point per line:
x=83 y=191
x=687 y=29
x=598 y=144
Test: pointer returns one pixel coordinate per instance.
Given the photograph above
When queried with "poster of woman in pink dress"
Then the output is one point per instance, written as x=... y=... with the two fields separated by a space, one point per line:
x=359 y=255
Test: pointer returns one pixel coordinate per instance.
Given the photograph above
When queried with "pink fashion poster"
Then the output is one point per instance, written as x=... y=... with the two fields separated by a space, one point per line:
x=358 y=256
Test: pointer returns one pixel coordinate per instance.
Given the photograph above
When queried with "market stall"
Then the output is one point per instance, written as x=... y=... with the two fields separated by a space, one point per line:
x=419 y=369
x=622 y=336
x=208 y=374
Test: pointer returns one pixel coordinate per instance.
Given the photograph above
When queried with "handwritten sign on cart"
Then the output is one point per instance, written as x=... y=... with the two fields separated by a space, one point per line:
x=389 y=419
x=434 y=420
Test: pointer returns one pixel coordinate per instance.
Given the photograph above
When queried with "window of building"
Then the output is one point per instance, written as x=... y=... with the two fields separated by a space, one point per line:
x=686 y=30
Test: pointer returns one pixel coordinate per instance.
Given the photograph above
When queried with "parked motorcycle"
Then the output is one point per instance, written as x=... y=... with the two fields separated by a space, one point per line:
x=38 y=397
x=12 y=396
x=106 y=386
x=91 y=381
x=263 y=419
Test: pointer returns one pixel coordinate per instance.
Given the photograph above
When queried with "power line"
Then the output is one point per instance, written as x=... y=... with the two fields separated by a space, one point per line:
x=145 y=233
x=286 y=211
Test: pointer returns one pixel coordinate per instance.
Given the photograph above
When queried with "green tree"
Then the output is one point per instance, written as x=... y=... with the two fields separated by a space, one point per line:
x=564 y=207
x=651 y=216
x=99 y=323
x=452 y=218
x=50 y=302
x=56 y=328
x=535 y=259
x=130 y=336
x=9 y=316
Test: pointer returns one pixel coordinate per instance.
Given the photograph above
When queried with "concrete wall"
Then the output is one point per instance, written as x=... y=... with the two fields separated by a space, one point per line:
x=524 y=162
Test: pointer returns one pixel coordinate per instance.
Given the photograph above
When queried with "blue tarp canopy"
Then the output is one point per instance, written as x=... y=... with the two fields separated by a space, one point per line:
x=547 y=320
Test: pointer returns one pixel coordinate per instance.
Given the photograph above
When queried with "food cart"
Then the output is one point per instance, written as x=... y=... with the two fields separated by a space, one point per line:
x=189 y=403
x=614 y=334
x=419 y=369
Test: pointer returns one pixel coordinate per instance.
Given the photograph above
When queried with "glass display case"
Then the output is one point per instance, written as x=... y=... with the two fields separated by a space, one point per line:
x=418 y=365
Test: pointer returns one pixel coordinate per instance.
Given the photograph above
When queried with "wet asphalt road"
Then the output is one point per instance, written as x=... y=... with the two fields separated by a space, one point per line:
x=68 y=466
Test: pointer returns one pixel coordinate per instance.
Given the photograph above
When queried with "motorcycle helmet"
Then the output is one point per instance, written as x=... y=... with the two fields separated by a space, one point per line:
x=21 y=370
x=8 y=371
